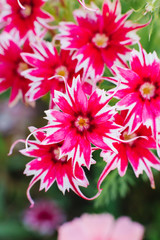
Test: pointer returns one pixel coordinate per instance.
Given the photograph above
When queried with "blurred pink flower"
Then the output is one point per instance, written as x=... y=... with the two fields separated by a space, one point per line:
x=44 y=217
x=100 y=227
x=13 y=121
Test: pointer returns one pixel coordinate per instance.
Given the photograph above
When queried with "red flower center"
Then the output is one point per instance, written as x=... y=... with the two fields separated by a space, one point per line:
x=147 y=90
x=100 y=40
x=44 y=216
x=62 y=71
x=82 y=123
x=26 y=12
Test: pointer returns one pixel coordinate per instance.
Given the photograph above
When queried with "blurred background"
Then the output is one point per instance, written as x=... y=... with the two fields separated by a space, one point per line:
x=126 y=195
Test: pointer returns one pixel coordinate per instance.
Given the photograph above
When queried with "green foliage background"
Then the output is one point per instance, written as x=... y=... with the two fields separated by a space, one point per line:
x=120 y=196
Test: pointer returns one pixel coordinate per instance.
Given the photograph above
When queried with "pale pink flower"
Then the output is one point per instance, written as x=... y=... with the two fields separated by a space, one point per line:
x=99 y=38
x=26 y=17
x=134 y=148
x=100 y=227
x=139 y=91
x=13 y=121
x=80 y=122
x=44 y=217
x=11 y=67
x=49 y=166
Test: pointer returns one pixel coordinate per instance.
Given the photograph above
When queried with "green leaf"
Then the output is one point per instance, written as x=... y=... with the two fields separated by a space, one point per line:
x=12 y=230
x=114 y=186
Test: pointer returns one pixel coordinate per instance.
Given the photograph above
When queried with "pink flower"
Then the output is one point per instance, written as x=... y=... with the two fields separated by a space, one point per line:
x=25 y=18
x=100 y=227
x=3 y=10
x=13 y=121
x=11 y=67
x=48 y=67
x=136 y=151
x=139 y=91
x=99 y=38
x=80 y=122
x=44 y=217
x=49 y=166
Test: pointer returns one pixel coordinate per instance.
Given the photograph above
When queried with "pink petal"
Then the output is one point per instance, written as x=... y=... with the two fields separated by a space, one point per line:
x=125 y=229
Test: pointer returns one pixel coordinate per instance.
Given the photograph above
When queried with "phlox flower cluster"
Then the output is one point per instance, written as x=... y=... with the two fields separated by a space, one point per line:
x=80 y=119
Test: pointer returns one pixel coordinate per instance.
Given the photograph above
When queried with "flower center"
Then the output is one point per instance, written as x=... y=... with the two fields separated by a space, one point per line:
x=62 y=71
x=21 y=67
x=127 y=137
x=44 y=216
x=26 y=12
x=82 y=123
x=147 y=90
x=56 y=154
x=100 y=40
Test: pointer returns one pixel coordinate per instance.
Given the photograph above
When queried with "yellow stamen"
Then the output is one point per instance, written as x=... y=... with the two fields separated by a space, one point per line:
x=82 y=123
x=22 y=66
x=100 y=40
x=147 y=90
x=26 y=12
x=62 y=71
x=128 y=136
